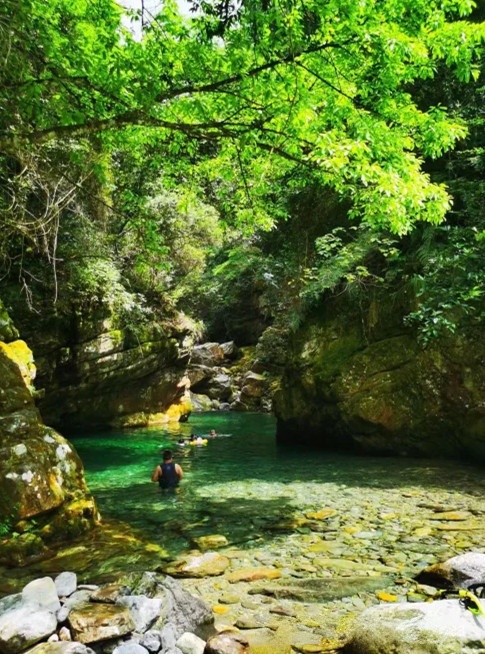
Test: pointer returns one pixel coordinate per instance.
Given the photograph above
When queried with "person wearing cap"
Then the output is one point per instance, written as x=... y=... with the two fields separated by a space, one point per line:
x=168 y=473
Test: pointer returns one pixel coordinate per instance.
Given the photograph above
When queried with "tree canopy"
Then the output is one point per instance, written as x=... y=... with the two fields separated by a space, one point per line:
x=272 y=86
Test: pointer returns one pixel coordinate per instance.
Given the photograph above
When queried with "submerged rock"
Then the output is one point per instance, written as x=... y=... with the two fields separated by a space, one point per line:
x=318 y=590
x=204 y=565
x=227 y=643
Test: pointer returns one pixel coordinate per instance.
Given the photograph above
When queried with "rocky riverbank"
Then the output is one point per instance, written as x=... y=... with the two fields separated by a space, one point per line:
x=298 y=582
x=357 y=549
x=147 y=613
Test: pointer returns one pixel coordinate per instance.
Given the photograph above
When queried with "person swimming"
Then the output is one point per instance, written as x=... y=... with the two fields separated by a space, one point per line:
x=197 y=440
x=168 y=473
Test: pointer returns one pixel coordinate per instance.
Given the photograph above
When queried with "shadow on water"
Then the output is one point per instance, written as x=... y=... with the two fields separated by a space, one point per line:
x=242 y=484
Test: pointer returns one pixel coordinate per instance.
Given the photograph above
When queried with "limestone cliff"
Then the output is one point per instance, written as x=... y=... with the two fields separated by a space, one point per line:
x=43 y=493
x=357 y=379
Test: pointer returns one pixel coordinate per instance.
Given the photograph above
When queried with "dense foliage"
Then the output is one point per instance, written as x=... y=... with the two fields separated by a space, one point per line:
x=127 y=163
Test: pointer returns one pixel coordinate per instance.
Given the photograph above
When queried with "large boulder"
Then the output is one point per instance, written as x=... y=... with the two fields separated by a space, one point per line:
x=440 y=627
x=357 y=379
x=41 y=476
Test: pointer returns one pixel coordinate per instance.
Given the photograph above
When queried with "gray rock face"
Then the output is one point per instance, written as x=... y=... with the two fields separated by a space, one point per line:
x=22 y=627
x=183 y=612
x=440 y=627
x=65 y=583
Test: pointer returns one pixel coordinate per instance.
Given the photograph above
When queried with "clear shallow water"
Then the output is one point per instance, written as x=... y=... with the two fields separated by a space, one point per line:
x=242 y=484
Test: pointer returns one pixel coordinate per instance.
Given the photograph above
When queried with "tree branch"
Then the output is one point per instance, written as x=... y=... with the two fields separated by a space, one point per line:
x=252 y=72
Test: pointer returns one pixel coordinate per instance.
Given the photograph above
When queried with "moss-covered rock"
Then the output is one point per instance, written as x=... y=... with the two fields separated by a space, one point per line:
x=357 y=379
x=43 y=492
x=8 y=332
x=94 y=371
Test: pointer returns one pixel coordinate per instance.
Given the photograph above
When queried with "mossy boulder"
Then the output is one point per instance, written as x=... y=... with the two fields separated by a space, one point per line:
x=358 y=379
x=41 y=476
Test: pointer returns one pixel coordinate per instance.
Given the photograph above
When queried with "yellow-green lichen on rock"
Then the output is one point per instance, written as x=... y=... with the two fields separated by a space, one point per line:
x=41 y=476
x=20 y=353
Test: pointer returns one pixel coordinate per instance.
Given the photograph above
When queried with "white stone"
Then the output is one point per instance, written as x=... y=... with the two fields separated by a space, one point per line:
x=25 y=626
x=65 y=583
x=130 y=648
x=190 y=644
x=42 y=592
x=151 y=640
x=442 y=626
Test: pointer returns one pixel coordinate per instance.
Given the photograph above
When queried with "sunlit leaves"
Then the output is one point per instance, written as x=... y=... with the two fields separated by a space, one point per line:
x=322 y=84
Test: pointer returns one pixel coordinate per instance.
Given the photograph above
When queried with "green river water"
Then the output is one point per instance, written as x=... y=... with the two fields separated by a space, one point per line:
x=342 y=532
x=242 y=483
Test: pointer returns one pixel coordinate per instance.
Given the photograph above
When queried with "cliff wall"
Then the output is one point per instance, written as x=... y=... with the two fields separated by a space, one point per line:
x=357 y=379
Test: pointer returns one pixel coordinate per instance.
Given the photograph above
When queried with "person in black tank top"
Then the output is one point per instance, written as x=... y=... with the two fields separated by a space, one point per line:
x=168 y=473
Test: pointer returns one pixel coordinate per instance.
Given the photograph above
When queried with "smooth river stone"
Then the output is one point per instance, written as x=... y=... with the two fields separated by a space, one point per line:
x=209 y=564
x=253 y=574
